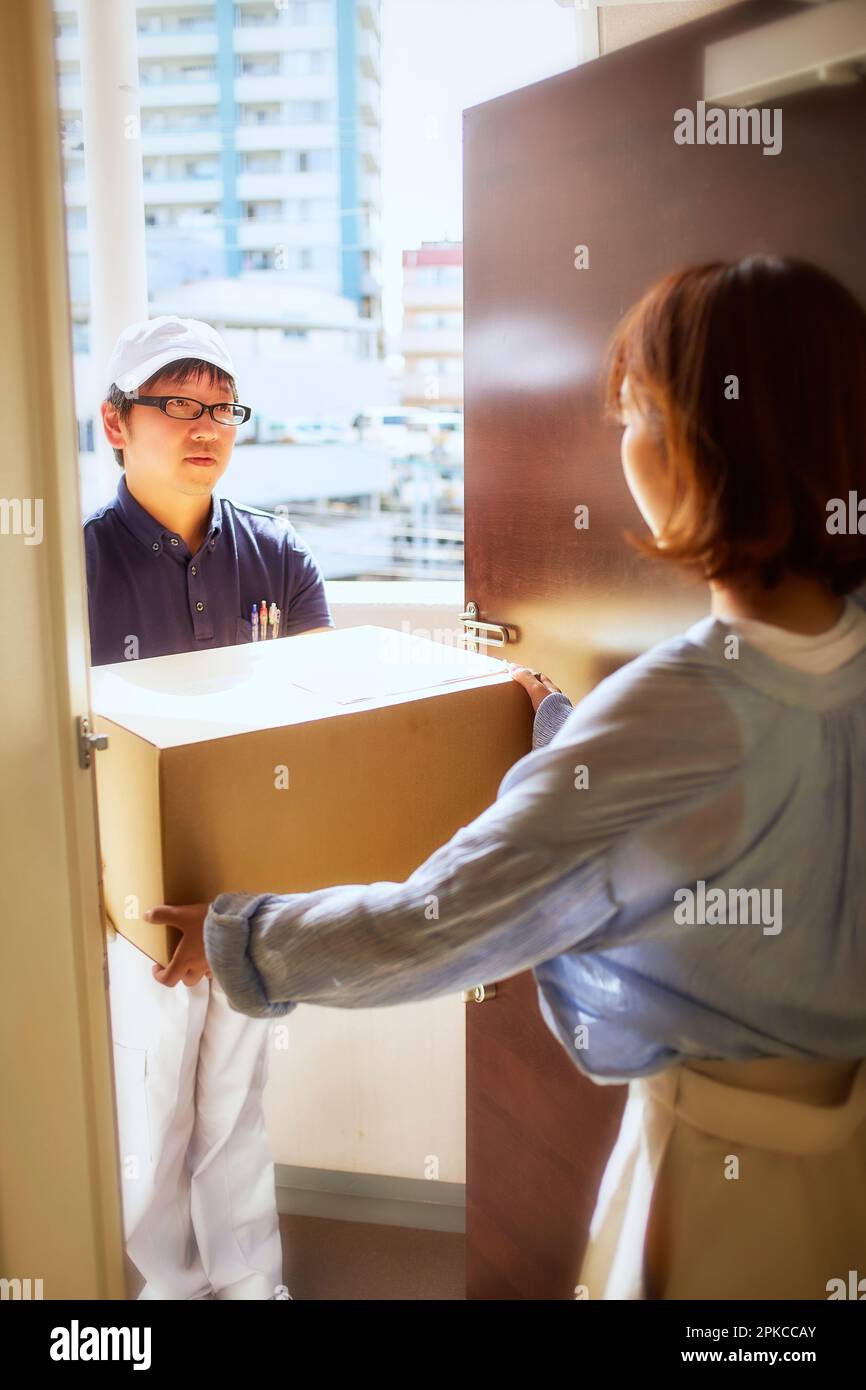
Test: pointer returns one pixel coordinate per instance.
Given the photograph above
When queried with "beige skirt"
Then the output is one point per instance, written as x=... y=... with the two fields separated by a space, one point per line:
x=734 y=1180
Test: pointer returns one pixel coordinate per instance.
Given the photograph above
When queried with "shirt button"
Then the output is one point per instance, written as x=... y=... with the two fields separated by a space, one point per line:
x=174 y=540
x=199 y=607
x=193 y=570
x=156 y=545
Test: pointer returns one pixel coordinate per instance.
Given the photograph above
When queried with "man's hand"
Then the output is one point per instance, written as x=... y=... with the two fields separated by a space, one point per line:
x=536 y=685
x=189 y=962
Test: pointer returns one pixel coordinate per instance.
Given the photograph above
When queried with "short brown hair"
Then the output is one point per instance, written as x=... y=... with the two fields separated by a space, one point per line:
x=753 y=468
x=182 y=370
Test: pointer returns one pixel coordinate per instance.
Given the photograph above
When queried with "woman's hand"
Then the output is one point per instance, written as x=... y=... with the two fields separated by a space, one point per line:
x=189 y=962
x=536 y=685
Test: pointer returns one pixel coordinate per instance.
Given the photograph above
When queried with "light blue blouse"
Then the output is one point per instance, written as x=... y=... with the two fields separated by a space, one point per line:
x=683 y=866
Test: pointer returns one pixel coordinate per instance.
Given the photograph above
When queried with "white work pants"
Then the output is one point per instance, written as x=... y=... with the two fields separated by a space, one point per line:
x=197 y=1173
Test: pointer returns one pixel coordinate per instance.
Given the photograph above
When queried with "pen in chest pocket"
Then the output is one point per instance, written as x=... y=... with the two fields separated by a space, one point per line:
x=264 y=617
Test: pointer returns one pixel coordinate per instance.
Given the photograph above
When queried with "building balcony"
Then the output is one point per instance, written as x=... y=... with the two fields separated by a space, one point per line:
x=370 y=228
x=370 y=148
x=277 y=38
x=432 y=342
x=370 y=239
x=181 y=141
x=284 y=87
x=67 y=49
x=69 y=94
x=188 y=92
x=261 y=233
x=150 y=5
x=370 y=189
x=251 y=187
x=371 y=284
x=183 y=190
x=368 y=17
x=178 y=43
x=446 y=298
x=369 y=100
x=369 y=55
x=77 y=241
x=266 y=135
x=75 y=193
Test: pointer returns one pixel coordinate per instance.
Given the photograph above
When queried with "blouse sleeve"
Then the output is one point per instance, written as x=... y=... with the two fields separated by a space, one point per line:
x=520 y=884
x=550 y=717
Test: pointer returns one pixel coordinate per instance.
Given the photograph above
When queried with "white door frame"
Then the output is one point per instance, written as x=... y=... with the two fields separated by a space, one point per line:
x=60 y=1206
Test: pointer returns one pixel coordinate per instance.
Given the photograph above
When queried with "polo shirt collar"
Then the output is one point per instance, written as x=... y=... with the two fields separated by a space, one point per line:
x=151 y=532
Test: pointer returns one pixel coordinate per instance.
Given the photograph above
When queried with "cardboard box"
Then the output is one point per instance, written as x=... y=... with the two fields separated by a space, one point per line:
x=337 y=757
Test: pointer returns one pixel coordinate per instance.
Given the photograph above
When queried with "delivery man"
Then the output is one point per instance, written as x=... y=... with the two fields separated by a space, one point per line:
x=172 y=568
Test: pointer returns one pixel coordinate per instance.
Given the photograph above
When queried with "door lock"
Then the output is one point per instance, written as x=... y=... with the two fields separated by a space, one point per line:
x=88 y=742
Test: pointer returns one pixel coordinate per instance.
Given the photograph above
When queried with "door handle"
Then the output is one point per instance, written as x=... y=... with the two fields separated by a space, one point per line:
x=474 y=631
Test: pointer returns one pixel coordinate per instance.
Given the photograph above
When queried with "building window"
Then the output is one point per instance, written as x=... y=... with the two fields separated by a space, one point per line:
x=200 y=21
x=261 y=162
x=193 y=71
x=313 y=161
x=195 y=216
x=263 y=211
x=258 y=260
x=307 y=111
x=308 y=63
x=249 y=17
x=179 y=119
x=325 y=258
x=259 y=64
x=435 y=275
x=436 y=320
x=199 y=169
x=264 y=113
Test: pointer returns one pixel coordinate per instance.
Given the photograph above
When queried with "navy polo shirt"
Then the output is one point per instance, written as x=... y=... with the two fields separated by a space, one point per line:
x=142 y=581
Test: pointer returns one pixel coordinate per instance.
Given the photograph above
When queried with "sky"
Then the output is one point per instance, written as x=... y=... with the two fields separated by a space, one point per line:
x=438 y=57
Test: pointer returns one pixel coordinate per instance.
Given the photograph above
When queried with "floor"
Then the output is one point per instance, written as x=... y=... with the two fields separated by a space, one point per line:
x=355 y=1260
x=352 y=1260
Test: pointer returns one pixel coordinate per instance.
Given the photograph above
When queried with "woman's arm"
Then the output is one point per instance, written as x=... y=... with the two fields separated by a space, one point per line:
x=522 y=883
x=480 y=908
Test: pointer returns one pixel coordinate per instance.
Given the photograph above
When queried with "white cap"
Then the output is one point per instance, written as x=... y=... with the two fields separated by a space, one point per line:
x=143 y=348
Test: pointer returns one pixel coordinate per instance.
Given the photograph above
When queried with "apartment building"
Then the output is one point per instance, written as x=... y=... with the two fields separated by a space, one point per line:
x=432 y=339
x=261 y=137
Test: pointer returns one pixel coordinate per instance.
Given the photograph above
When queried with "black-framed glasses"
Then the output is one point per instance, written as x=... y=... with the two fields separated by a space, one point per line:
x=183 y=408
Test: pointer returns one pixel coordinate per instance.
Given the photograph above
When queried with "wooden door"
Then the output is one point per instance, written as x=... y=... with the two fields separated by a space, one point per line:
x=588 y=158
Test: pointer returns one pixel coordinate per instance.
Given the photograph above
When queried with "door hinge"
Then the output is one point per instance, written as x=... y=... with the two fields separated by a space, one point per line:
x=479 y=994
x=88 y=742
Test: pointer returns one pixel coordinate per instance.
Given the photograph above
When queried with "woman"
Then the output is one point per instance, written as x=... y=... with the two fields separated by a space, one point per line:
x=682 y=858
